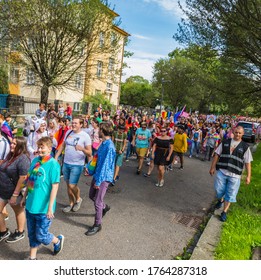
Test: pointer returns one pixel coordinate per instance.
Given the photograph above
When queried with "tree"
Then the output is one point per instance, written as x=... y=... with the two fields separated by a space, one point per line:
x=98 y=99
x=3 y=81
x=57 y=38
x=137 y=91
x=233 y=29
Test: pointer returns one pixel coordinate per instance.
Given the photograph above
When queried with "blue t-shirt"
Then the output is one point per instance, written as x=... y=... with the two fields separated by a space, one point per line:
x=142 y=138
x=37 y=201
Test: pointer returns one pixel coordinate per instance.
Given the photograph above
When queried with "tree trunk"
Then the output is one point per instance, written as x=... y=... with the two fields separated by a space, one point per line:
x=44 y=94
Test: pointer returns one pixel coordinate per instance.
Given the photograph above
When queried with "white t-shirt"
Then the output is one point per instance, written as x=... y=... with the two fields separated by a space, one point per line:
x=247 y=157
x=72 y=156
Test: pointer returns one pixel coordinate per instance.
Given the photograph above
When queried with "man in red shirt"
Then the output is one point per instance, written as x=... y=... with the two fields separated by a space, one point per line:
x=68 y=111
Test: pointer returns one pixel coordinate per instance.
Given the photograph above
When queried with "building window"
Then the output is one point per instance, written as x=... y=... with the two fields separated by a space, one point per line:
x=99 y=68
x=111 y=64
x=30 y=80
x=101 y=39
x=109 y=86
x=14 y=75
x=113 y=38
x=76 y=106
x=79 y=81
x=97 y=91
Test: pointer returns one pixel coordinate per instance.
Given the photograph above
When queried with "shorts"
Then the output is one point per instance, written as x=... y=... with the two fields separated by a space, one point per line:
x=18 y=200
x=141 y=151
x=119 y=159
x=72 y=173
x=226 y=186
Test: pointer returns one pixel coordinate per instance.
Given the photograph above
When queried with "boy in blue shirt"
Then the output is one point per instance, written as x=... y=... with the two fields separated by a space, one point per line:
x=42 y=184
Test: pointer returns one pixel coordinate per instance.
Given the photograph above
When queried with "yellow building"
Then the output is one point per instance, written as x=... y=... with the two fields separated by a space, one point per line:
x=101 y=73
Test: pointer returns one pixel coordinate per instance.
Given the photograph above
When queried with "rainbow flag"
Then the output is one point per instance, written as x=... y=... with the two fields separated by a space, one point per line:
x=91 y=165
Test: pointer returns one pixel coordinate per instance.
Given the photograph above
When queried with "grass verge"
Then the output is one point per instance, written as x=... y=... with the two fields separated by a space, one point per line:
x=241 y=233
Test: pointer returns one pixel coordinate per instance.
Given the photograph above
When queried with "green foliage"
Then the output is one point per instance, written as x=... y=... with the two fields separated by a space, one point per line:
x=3 y=81
x=137 y=91
x=242 y=230
x=98 y=99
x=57 y=37
x=232 y=28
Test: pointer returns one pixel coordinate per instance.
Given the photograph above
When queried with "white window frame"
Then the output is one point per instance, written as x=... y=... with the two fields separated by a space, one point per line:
x=14 y=75
x=99 y=68
x=79 y=80
x=101 y=39
x=111 y=64
x=30 y=76
x=76 y=106
x=109 y=86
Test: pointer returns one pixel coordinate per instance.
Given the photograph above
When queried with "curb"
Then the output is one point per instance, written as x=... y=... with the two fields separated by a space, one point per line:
x=209 y=239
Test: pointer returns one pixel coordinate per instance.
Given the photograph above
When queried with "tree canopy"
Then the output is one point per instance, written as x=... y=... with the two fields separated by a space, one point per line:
x=56 y=38
x=232 y=28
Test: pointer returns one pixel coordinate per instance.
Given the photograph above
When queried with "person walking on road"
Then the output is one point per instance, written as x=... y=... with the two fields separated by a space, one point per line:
x=13 y=171
x=180 y=145
x=76 y=146
x=229 y=160
x=161 y=152
x=141 y=140
x=103 y=176
x=42 y=184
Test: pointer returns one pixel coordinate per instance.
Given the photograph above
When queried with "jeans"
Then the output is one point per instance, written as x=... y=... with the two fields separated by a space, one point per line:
x=38 y=229
x=195 y=144
x=226 y=186
x=130 y=150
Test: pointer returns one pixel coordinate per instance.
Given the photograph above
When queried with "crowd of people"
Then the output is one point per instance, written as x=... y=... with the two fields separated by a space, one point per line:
x=60 y=145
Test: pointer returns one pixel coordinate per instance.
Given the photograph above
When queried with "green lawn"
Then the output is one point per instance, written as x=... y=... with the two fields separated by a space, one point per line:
x=242 y=231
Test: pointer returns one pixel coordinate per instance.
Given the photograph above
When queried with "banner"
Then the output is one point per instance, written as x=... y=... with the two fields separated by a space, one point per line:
x=211 y=118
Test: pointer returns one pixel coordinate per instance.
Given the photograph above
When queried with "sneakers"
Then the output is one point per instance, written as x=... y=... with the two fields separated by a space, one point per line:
x=146 y=175
x=218 y=204
x=57 y=248
x=181 y=168
x=77 y=205
x=105 y=210
x=170 y=167
x=93 y=230
x=117 y=178
x=4 y=234
x=67 y=209
x=223 y=217
x=160 y=184
x=190 y=156
x=127 y=160
x=16 y=236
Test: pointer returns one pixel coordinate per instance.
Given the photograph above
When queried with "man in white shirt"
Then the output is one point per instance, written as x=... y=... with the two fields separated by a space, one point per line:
x=76 y=146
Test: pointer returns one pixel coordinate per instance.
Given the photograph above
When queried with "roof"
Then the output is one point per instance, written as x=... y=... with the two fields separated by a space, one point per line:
x=121 y=31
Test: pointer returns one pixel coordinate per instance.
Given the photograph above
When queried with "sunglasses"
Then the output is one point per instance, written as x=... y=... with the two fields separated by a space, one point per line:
x=163 y=131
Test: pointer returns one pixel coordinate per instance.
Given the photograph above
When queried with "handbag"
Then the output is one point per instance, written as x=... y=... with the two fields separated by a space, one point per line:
x=91 y=165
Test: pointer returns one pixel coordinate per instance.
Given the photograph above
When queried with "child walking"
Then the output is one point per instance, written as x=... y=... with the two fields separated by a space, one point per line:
x=42 y=184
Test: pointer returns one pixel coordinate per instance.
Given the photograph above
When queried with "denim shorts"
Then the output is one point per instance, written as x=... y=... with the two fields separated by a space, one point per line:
x=38 y=229
x=226 y=186
x=119 y=159
x=72 y=173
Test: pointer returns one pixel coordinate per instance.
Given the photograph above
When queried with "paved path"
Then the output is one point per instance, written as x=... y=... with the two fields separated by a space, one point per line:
x=144 y=222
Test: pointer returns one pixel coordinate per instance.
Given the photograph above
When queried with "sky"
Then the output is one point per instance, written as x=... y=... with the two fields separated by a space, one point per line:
x=151 y=24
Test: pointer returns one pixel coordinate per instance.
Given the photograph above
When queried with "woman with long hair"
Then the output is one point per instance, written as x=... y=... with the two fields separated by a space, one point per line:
x=161 y=152
x=13 y=171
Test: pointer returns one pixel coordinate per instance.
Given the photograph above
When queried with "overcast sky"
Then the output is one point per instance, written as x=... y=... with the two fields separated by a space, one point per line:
x=151 y=23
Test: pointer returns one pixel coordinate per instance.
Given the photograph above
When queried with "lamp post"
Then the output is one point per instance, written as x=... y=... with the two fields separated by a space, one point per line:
x=162 y=92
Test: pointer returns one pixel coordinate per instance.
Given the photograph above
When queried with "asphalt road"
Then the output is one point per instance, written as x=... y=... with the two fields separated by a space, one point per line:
x=144 y=223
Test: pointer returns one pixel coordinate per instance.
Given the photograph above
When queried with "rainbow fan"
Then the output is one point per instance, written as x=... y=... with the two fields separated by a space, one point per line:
x=91 y=165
